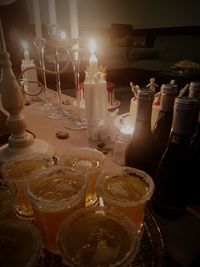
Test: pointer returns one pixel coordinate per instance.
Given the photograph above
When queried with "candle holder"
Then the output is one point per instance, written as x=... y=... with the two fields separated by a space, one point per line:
x=76 y=122
x=20 y=141
x=40 y=43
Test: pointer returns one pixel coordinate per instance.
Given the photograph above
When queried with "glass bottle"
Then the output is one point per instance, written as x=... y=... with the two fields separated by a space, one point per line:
x=194 y=196
x=162 y=127
x=140 y=150
x=171 y=179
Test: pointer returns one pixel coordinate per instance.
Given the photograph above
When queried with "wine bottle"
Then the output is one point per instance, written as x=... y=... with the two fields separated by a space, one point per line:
x=194 y=92
x=194 y=185
x=162 y=127
x=140 y=149
x=171 y=179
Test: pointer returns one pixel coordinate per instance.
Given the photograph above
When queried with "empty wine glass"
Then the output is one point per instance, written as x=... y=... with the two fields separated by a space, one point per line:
x=57 y=35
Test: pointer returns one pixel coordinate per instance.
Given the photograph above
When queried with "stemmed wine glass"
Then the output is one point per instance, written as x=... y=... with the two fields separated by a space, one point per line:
x=76 y=122
x=56 y=36
x=40 y=43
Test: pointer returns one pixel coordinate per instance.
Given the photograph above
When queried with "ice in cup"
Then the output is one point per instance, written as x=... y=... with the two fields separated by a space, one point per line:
x=98 y=236
x=20 y=243
x=18 y=169
x=86 y=160
x=54 y=195
x=8 y=193
x=127 y=189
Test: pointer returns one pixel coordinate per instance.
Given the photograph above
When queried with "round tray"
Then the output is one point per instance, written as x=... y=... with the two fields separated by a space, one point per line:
x=151 y=251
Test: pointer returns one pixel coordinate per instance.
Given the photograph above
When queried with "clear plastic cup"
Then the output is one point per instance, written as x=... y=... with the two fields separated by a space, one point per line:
x=8 y=191
x=19 y=169
x=98 y=236
x=55 y=194
x=86 y=160
x=128 y=190
x=20 y=243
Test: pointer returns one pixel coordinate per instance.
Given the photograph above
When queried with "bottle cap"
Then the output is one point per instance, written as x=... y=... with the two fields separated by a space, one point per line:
x=169 y=89
x=185 y=103
x=146 y=94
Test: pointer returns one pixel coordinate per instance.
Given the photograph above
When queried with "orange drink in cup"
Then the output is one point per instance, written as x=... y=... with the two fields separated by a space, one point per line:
x=98 y=236
x=86 y=160
x=54 y=195
x=19 y=169
x=127 y=189
x=8 y=193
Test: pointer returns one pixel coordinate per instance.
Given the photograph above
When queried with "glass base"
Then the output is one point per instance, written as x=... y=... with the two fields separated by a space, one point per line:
x=58 y=113
x=75 y=124
x=43 y=106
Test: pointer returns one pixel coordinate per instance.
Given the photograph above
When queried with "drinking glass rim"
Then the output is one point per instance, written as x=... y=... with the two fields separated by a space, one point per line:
x=76 y=149
x=21 y=157
x=55 y=203
x=112 y=213
x=16 y=223
x=125 y=202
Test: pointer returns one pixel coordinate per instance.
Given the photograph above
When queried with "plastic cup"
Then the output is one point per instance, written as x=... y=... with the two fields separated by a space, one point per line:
x=98 y=236
x=8 y=193
x=19 y=169
x=89 y=161
x=128 y=190
x=54 y=195
x=20 y=243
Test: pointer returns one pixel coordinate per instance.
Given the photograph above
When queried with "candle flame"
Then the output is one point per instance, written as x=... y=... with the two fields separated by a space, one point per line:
x=62 y=35
x=127 y=130
x=25 y=45
x=92 y=46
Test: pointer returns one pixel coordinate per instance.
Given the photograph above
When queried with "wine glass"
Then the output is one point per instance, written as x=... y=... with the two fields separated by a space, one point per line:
x=56 y=36
x=40 y=44
x=76 y=122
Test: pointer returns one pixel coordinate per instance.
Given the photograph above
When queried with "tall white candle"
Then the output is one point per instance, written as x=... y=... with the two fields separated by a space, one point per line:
x=73 y=16
x=93 y=62
x=37 y=19
x=52 y=12
x=26 y=52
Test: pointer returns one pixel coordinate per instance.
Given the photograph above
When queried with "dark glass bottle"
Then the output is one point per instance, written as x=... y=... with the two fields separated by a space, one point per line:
x=140 y=150
x=194 y=185
x=171 y=179
x=162 y=127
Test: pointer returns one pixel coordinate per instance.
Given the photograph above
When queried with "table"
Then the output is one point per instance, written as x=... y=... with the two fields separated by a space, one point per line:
x=152 y=250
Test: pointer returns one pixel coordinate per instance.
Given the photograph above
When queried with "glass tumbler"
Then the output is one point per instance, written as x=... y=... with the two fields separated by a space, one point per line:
x=19 y=169
x=128 y=190
x=8 y=191
x=55 y=194
x=20 y=243
x=89 y=161
x=98 y=236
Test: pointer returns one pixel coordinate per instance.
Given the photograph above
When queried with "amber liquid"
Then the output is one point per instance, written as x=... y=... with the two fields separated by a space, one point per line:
x=95 y=240
x=58 y=191
x=126 y=191
x=6 y=202
x=92 y=168
x=20 y=172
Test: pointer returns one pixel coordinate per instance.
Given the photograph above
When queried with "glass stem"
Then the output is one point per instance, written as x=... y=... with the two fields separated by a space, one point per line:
x=42 y=65
x=76 y=77
x=57 y=69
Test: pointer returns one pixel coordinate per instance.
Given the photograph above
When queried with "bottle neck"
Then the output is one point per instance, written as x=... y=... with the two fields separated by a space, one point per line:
x=144 y=110
x=167 y=103
x=182 y=122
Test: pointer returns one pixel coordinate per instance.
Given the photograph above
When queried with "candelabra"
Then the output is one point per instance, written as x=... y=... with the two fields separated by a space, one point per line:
x=20 y=140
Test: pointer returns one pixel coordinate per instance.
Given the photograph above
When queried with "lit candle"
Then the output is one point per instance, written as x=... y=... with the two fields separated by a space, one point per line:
x=2 y=40
x=73 y=15
x=52 y=12
x=93 y=62
x=127 y=130
x=26 y=52
x=37 y=19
